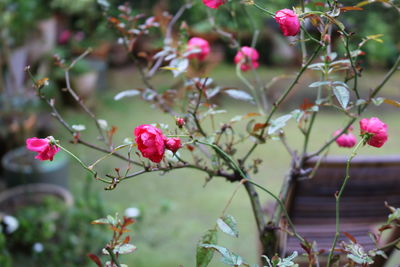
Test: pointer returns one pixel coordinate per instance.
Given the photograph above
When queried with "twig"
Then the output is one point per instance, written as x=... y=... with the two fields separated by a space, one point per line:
x=338 y=198
x=282 y=98
x=114 y=259
x=351 y=121
x=79 y=100
x=168 y=38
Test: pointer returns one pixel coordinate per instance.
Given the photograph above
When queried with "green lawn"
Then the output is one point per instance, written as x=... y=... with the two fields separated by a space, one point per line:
x=177 y=209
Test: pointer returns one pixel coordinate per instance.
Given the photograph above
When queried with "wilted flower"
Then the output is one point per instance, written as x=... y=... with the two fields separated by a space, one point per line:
x=45 y=149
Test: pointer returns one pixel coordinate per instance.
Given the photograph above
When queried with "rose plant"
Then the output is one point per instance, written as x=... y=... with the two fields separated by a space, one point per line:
x=214 y=151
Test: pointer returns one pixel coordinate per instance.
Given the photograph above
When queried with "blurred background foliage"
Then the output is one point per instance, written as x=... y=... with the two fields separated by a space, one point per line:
x=85 y=16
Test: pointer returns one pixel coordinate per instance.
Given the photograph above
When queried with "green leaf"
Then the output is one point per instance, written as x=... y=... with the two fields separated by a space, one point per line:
x=239 y=95
x=204 y=255
x=101 y=221
x=124 y=249
x=342 y=95
x=228 y=225
x=278 y=123
x=395 y=215
x=356 y=253
x=111 y=220
x=127 y=93
x=321 y=83
x=378 y=101
x=228 y=257
x=360 y=102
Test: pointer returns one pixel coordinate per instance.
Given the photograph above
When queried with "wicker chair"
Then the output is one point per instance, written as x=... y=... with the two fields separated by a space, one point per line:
x=311 y=202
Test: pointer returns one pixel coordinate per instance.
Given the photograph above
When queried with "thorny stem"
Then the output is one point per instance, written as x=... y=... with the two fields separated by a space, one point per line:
x=338 y=196
x=232 y=196
x=354 y=68
x=83 y=164
x=57 y=115
x=194 y=113
x=282 y=98
x=251 y=87
x=351 y=121
x=302 y=43
x=168 y=37
x=79 y=100
x=114 y=259
x=283 y=208
x=264 y=9
x=236 y=168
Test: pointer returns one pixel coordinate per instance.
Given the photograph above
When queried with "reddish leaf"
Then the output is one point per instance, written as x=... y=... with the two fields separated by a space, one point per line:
x=306 y=248
x=95 y=259
x=128 y=221
x=115 y=229
x=319 y=4
x=127 y=239
x=392 y=102
x=350 y=8
x=385 y=227
x=306 y=104
x=349 y=236
x=259 y=126
x=113 y=130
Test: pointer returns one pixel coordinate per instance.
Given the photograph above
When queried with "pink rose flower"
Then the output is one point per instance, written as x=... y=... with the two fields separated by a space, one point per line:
x=214 y=3
x=150 y=141
x=198 y=44
x=288 y=22
x=45 y=150
x=345 y=140
x=247 y=57
x=376 y=129
x=173 y=144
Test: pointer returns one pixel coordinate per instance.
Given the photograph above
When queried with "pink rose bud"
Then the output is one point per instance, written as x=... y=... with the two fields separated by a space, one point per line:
x=150 y=141
x=214 y=3
x=288 y=22
x=345 y=140
x=180 y=122
x=375 y=129
x=198 y=44
x=327 y=38
x=173 y=144
x=45 y=150
x=247 y=57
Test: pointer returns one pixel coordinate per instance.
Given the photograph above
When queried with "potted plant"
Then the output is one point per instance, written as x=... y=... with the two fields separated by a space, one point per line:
x=20 y=167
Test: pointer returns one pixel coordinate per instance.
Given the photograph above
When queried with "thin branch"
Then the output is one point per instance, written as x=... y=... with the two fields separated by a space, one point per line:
x=377 y=89
x=338 y=196
x=168 y=38
x=282 y=98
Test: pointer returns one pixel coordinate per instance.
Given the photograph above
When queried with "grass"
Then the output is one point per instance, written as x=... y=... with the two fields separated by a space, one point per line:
x=177 y=208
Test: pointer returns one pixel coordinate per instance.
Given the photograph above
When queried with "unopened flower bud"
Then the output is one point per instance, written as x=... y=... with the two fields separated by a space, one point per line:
x=180 y=122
